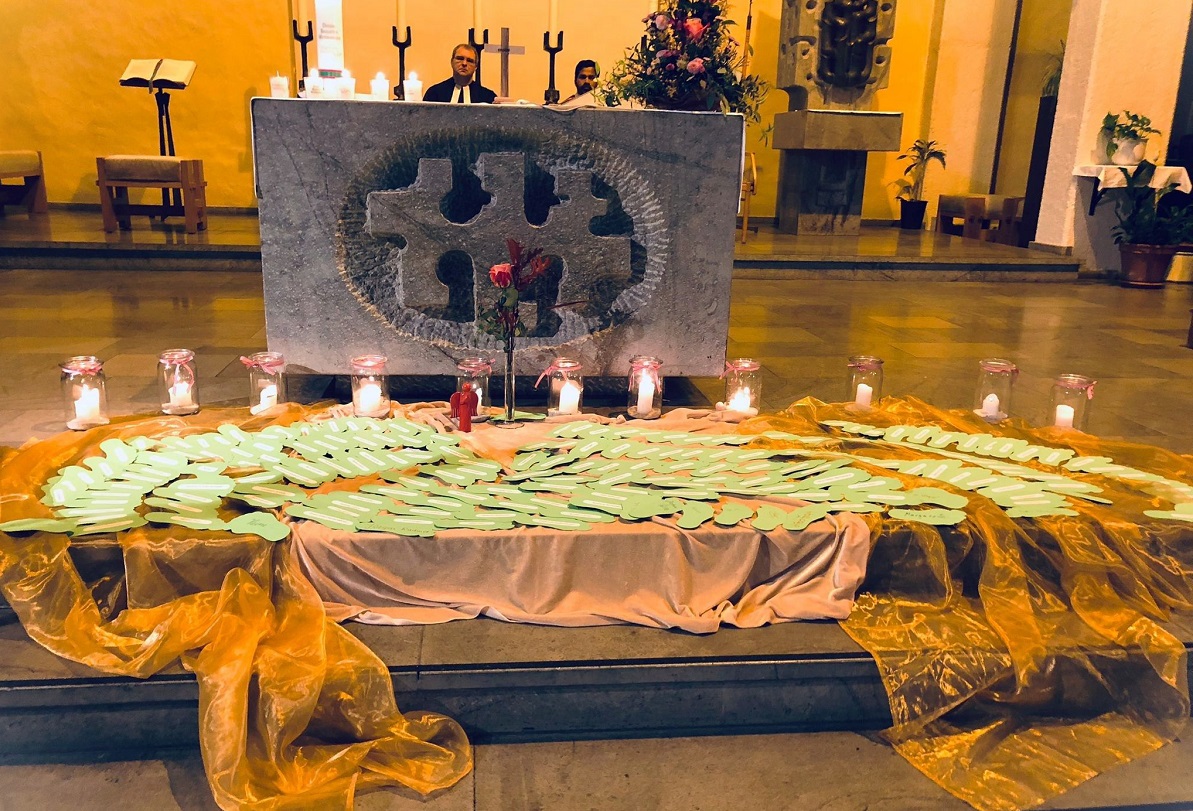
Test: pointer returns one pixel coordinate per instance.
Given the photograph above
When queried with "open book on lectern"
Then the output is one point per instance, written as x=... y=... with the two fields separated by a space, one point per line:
x=171 y=74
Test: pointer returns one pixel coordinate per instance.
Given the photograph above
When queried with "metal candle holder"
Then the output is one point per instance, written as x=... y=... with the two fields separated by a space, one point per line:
x=303 y=42
x=478 y=47
x=401 y=45
x=552 y=95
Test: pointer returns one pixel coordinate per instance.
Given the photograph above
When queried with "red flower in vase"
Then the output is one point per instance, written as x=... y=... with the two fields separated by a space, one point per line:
x=513 y=278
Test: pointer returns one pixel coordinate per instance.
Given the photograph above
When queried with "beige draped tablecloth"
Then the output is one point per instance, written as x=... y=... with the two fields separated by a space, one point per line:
x=646 y=573
x=651 y=573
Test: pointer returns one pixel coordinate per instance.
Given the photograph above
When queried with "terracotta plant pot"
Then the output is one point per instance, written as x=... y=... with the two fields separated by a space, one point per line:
x=1145 y=265
x=911 y=214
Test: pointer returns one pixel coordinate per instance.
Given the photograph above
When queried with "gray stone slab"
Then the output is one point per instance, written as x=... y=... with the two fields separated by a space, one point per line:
x=379 y=222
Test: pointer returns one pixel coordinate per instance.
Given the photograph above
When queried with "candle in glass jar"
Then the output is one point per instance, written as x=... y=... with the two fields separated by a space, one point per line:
x=368 y=399
x=646 y=389
x=87 y=405
x=1064 y=416
x=990 y=405
x=864 y=395
x=740 y=402
x=569 y=397
x=180 y=395
x=269 y=398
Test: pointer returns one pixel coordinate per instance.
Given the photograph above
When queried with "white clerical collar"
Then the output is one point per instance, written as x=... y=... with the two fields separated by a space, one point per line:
x=466 y=90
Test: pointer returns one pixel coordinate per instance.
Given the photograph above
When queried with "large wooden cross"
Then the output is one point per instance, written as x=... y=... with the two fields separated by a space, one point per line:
x=505 y=49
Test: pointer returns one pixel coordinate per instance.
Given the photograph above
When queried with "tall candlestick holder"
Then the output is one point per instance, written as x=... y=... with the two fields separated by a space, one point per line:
x=552 y=95
x=401 y=45
x=479 y=47
x=303 y=42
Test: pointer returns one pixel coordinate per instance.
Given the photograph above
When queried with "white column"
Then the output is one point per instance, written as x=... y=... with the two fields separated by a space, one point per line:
x=1118 y=55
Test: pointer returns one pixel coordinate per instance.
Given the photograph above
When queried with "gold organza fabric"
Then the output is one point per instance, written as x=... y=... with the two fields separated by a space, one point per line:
x=294 y=711
x=1022 y=657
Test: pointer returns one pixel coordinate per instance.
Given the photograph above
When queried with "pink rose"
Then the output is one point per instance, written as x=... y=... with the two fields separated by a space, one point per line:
x=694 y=28
x=502 y=275
x=696 y=66
x=662 y=22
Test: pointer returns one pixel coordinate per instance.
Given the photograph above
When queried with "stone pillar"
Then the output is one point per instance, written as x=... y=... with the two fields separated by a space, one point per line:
x=1118 y=56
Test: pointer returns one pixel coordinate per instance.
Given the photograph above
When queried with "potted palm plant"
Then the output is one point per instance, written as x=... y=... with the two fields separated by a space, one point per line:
x=912 y=204
x=1126 y=137
x=1147 y=233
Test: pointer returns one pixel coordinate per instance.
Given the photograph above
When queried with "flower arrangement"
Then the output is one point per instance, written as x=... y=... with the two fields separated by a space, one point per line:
x=687 y=60
x=512 y=279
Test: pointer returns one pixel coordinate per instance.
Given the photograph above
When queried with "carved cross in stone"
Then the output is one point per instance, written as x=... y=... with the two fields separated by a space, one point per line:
x=590 y=262
x=505 y=49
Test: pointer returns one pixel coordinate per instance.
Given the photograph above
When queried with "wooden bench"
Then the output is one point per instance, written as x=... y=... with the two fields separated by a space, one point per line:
x=31 y=192
x=980 y=213
x=118 y=173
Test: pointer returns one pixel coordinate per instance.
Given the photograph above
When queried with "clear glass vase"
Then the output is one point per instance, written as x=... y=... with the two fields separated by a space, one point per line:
x=474 y=371
x=370 y=386
x=1071 y=395
x=178 y=381
x=565 y=386
x=743 y=386
x=645 y=387
x=996 y=384
x=267 y=380
x=84 y=392
x=865 y=381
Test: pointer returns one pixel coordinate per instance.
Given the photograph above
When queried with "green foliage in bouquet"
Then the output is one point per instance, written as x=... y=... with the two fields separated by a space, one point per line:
x=688 y=61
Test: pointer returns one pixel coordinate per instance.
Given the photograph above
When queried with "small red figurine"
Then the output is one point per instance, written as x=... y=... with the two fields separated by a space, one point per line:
x=464 y=404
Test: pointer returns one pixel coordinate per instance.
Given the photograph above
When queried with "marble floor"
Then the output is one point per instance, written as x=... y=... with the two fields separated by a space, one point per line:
x=931 y=334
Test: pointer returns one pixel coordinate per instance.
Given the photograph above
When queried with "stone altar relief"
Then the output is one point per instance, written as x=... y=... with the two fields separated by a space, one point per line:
x=833 y=56
x=379 y=222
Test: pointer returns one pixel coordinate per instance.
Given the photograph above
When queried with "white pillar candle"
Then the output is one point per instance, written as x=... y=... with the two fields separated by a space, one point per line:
x=646 y=390
x=401 y=19
x=379 y=86
x=347 y=86
x=476 y=16
x=864 y=395
x=412 y=88
x=569 y=397
x=552 y=16
x=269 y=398
x=368 y=399
x=1064 y=416
x=314 y=85
x=990 y=405
x=180 y=395
x=87 y=405
x=279 y=86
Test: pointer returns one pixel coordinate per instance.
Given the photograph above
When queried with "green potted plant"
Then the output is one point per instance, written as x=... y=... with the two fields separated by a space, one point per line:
x=1146 y=234
x=1125 y=135
x=912 y=204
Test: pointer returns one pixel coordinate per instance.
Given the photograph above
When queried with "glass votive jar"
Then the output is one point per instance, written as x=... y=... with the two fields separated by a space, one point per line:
x=267 y=380
x=645 y=387
x=565 y=386
x=865 y=380
x=475 y=370
x=743 y=386
x=178 y=382
x=370 y=386
x=84 y=392
x=996 y=384
x=1070 y=400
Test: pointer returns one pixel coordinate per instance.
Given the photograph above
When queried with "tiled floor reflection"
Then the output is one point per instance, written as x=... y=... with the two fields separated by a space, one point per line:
x=931 y=334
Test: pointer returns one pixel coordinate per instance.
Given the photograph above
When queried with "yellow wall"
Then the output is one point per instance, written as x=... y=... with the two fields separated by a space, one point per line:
x=65 y=58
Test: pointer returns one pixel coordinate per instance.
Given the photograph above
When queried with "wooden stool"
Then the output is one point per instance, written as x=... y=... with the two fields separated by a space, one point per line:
x=118 y=173
x=980 y=212
x=31 y=193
